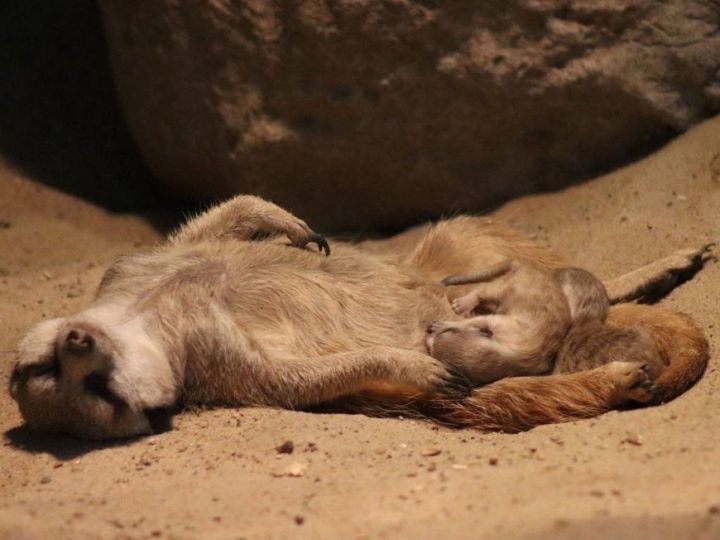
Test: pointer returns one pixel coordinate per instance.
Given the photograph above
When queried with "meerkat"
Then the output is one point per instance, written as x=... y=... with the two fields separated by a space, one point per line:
x=214 y=317
x=521 y=316
x=535 y=321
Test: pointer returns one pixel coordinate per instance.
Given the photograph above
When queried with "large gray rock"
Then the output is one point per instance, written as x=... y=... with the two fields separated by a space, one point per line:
x=372 y=113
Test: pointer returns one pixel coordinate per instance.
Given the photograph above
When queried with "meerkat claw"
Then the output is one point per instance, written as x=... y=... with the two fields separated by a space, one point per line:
x=707 y=252
x=321 y=242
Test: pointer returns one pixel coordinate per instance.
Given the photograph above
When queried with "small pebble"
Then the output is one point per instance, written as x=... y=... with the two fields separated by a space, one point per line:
x=634 y=439
x=288 y=447
x=311 y=447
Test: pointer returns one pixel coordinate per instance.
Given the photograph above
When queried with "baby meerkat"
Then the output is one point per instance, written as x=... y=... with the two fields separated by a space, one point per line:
x=521 y=317
x=525 y=315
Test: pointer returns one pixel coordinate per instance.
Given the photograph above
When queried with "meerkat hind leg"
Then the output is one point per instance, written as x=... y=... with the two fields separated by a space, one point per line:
x=385 y=370
x=243 y=218
x=657 y=278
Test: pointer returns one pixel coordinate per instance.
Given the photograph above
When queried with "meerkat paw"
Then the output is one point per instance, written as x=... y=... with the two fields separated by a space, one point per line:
x=677 y=267
x=300 y=235
x=430 y=376
x=685 y=261
x=633 y=381
x=463 y=305
x=427 y=373
x=436 y=327
x=459 y=385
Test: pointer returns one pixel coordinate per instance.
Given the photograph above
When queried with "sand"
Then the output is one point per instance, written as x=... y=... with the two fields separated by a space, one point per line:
x=649 y=472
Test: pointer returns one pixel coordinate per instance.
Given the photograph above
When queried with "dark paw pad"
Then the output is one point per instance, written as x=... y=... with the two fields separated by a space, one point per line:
x=645 y=388
x=458 y=385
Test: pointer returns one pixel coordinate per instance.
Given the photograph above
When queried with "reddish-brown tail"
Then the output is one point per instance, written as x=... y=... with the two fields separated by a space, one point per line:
x=512 y=404
x=679 y=340
x=521 y=403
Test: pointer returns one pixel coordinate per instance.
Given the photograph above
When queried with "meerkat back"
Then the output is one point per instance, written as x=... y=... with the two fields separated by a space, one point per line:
x=586 y=294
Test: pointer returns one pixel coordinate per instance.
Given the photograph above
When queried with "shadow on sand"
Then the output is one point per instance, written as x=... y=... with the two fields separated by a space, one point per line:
x=61 y=447
x=59 y=120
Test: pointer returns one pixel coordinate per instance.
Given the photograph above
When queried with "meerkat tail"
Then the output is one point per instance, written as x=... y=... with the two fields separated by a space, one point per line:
x=520 y=403
x=510 y=405
x=486 y=274
x=681 y=343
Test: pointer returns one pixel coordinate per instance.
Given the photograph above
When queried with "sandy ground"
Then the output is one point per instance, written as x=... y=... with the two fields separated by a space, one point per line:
x=649 y=472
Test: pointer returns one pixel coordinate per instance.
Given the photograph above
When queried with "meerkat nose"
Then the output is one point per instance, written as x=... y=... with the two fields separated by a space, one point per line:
x=79 y=342
x=80 y=353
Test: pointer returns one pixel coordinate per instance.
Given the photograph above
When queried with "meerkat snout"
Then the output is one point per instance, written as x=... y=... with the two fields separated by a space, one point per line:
x=79 y=342
x=80 y=352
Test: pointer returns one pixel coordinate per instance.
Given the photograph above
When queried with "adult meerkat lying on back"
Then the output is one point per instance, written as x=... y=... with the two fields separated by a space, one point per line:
x=213 y=317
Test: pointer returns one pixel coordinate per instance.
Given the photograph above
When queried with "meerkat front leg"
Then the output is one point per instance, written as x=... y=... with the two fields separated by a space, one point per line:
x=249 y=376
x=244 y=217
x=657 y=278
x=482 y=295
x=383 y=370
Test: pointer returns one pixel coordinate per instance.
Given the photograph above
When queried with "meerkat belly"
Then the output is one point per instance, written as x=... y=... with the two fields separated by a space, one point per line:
x=336 y=319
x=530 y=333
x=324 y=307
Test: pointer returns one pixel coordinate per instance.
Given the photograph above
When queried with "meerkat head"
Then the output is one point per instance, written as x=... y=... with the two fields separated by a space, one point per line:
x=95 y=375
x=447 y=340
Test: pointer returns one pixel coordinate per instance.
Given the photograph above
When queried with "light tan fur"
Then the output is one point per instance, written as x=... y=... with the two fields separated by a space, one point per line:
x=521 y=317
x=214 y=318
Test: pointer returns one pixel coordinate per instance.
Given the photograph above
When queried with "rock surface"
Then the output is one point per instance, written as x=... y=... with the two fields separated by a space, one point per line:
x=369 y=113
